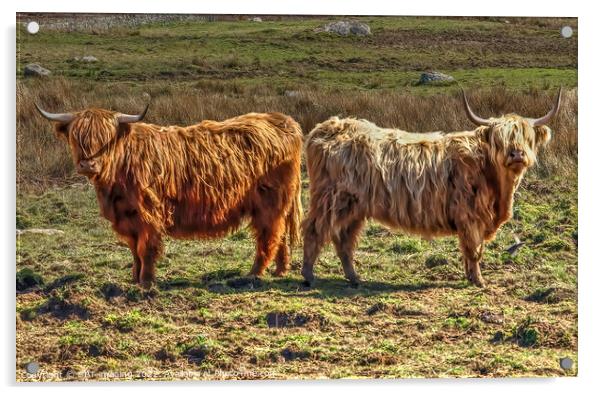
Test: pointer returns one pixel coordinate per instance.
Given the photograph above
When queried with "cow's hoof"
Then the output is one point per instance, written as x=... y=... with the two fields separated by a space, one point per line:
x=477 y=282
x=308 y=282
x=354 y=283
x=354 y=280
x=308 y=277
x=280 y=273
x=254 y=274
x=146 y=284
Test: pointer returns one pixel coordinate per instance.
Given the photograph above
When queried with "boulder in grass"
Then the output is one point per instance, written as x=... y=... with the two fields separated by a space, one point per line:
x=38 y=231
x=434 y=77
x=35 y=70
x=289 y=93
x=345 y=28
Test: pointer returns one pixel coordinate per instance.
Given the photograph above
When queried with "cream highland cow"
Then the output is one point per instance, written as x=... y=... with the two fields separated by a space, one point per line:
x=428 y=184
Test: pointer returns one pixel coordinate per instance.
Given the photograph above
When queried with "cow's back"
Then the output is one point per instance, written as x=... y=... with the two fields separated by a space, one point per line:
x=200 y=178
x=397 y=177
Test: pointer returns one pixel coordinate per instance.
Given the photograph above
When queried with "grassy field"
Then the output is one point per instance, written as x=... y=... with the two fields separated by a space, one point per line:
x=289 y=54
x=79 y=316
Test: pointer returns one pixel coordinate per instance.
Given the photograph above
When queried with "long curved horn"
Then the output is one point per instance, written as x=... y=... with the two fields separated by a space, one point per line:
x=63 y=118
x=548 y=117
x=125 y=118
x=471 y=115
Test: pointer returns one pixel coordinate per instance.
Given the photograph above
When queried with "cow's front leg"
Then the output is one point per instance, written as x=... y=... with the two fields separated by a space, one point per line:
x=150 y=248
x=472 y=244
x=283 y=259
x=137 y=264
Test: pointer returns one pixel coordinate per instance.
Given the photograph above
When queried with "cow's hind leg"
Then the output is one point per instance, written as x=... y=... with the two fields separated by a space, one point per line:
x=150 y=248
x=268 y=223
x=344 y=242
x=315 y=234
x=267 y=234
x=472 y=244
x=271 y=202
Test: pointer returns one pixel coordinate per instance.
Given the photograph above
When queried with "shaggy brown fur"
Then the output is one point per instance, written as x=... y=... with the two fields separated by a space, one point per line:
x=429 y=184
x=200 y=181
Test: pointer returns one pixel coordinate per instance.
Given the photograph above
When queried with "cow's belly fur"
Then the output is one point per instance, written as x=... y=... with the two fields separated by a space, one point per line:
x=192 y=220
x=423 y=217
x=188 y=219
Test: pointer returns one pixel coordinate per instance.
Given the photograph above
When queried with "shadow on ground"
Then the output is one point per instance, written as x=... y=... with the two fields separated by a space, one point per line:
x=229 y=282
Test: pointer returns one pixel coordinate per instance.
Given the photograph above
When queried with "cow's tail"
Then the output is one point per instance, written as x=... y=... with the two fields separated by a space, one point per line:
x=295 y=215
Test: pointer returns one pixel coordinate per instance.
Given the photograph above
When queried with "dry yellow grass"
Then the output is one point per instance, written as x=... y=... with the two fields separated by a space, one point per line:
x=42 y=159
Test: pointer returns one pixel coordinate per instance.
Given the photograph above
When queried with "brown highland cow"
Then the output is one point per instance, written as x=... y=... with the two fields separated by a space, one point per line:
x=430 y=184
x=199 y=181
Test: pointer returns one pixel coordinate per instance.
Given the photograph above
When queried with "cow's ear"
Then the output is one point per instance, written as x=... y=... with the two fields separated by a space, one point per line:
x=123 y=129
x=543 y=134
x=61 y=129
x=484 y=133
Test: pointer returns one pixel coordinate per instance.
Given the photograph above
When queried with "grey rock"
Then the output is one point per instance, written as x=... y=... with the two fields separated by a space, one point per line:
x=429 y=77
x=35 y=70
x=345 y=28
x=89 y=59
x=39 y=231
x=292 y=93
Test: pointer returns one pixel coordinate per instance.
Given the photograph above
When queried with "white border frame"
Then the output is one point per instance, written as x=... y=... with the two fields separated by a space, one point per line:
x=589 y=189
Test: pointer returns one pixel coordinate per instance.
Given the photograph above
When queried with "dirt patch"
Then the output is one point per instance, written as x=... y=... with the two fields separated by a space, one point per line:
x=435 y=260
x=489 y=317
x=58 y=308
x=244 y=282
x=176 y=283
x=165 y=354
x=196 y=354
x=497 y=338
x=111 y=290
x=280 y=319
x=378 y=359
x=27 y=278
x=219 y=275
x=62 y=281
x=398 y=311
x=292 y=353
x=530 y=333
x=550 y=295
x=71 y=351
x=533 y=47
x=218 y=288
